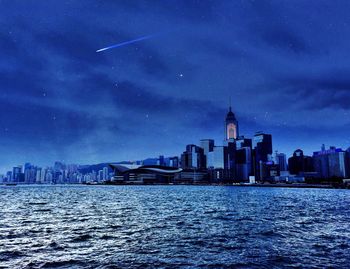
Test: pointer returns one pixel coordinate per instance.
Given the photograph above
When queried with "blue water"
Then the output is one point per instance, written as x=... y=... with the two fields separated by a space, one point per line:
x=173 y=226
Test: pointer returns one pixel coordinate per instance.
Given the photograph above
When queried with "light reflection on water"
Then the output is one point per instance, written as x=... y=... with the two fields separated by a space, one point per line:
x=173 y=226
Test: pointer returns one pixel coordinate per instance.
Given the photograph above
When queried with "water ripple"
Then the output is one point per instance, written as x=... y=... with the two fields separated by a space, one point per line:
x=173 y=226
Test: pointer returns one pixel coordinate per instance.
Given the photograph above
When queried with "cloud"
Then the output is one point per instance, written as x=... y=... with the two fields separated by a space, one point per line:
x=283 y=64
x=328 y=89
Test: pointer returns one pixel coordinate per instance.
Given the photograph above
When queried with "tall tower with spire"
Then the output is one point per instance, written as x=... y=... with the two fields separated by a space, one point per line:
x=231 y=126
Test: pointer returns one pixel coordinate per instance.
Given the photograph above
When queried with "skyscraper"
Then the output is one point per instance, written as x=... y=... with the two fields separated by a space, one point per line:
x=105 y=174
x=262 y=148
x=300 y=163
x=193 y=157
x=243 y=163
x=208 y=146
x=281 y=160
x=333 y=162
x=174 y=161
x=231 y=126
x=16 y=174
x=217 y=157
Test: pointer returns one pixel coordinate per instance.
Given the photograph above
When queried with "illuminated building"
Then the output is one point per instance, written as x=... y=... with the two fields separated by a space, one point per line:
x=231 y=126
x=145 y=174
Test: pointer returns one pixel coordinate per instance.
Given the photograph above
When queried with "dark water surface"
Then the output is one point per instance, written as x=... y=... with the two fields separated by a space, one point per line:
x=173 y=226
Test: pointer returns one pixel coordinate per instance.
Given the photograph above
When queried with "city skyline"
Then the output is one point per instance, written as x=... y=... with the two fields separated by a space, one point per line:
x=284 y=66
x=236 y=159
x=231 y=133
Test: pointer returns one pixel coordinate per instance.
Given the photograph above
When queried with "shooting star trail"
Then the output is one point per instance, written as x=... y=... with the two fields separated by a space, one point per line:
x=126 y=43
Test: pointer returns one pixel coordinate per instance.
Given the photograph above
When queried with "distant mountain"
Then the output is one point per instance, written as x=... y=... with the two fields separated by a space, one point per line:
x=150 y=161
x=96 y=167
x=84 y=169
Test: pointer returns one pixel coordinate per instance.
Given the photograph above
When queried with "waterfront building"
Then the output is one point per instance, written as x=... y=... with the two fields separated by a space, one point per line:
x=300 y=163
x=16 y=173
x=192 y=176
x=43 y=175
x=208 y=146
x=281 y=160
x=193 y=158
x=9 y=176
x=243 y=163
x=49 y=177
x=105 y=175
x=174 y=161
x=262 y=150
x=145 y=174
x=270 y=171
x=29 y=174
x=217 y=157
x=100 y=175
x=161 y=160
x=58 y=166
x=38 y=175
x=332 y=163
x=230 y=161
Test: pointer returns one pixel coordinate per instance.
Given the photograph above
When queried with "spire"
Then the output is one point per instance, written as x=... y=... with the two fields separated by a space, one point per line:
x=230 y=104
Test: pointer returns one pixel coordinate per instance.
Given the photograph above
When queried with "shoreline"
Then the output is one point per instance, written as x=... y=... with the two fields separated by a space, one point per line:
x=259 y=185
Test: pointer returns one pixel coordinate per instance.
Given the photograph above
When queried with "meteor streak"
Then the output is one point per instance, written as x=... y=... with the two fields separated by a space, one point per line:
x=125 y=43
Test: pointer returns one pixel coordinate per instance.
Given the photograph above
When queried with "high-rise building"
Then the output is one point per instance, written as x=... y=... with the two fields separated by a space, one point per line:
x=105 y=173
x=262 y=150
x=43 y=175
x=230 y=160
x=242 y=142
x=100 y=176
x=58 y=166
x=193 y=158
x=243 y=163
x=9 y=176
x=217 y=157
x=16 y=173
x=174 y=161
x=38 y=176
x=333 y=162
x=49 y=177
x=161 y=160
x=231 y=126
x=29 y=173
x=281 y=160
x=300 y=163
x=208 y=146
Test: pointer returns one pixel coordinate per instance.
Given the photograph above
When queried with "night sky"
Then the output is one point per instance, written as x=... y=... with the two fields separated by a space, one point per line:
x=285 y=64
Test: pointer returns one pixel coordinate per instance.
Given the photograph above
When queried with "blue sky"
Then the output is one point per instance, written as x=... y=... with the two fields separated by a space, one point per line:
x=284 y=64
